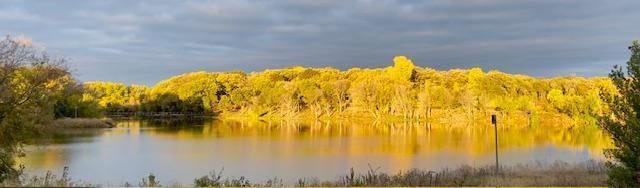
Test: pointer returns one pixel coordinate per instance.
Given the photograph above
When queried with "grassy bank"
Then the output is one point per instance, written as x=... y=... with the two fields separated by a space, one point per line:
x=590 y=173
x=82 y=123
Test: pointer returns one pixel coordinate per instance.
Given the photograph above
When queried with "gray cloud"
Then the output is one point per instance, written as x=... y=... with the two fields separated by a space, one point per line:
x=145 y=41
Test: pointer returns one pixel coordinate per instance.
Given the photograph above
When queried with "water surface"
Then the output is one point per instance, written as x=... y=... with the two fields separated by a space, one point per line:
x=179 y=151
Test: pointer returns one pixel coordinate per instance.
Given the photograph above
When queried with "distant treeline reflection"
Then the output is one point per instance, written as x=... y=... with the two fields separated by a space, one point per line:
x=402 y=137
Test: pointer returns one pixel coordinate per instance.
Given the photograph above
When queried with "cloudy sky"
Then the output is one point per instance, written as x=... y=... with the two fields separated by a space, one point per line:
x=143 y=42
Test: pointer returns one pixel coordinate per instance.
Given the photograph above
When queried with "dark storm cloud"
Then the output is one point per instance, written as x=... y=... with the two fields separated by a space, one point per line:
x=146 y=41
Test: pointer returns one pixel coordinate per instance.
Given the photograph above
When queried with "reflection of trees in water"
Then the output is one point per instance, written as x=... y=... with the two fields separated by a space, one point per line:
x=167 y=122
x=169 y=125
x=177 y=122
x=48 y=152
x=404 y=138
x=63 y=136
x=51 y=157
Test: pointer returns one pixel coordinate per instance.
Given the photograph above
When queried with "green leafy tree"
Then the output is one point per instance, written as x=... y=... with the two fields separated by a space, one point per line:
x=28 y=77
x=70 y=101
x=623 y=123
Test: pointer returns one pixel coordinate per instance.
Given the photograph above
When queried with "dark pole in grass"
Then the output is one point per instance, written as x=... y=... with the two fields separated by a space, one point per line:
x=494 y=121
x=530 y=121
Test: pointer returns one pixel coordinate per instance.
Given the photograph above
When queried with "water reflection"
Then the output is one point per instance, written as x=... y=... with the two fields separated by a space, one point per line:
x=178 y=151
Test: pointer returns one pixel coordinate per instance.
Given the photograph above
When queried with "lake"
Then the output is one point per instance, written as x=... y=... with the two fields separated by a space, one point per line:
x=179 y=151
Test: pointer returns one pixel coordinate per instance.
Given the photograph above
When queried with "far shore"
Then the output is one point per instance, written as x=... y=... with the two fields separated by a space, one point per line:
x=82 y=123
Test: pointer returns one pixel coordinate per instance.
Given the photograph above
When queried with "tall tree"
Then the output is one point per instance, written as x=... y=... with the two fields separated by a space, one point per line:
x=27 y=83
x=623 y=123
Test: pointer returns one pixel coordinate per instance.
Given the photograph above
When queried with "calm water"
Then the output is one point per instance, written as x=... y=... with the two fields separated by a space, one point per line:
x=182 y=151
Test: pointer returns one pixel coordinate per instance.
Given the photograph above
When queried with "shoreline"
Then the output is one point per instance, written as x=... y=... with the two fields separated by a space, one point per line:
x=82 y=123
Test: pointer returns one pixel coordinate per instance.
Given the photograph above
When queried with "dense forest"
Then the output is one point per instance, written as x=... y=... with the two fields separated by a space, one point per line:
x=401 y=91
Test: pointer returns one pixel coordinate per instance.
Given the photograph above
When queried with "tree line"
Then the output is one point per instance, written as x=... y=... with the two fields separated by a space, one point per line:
x=402 y=90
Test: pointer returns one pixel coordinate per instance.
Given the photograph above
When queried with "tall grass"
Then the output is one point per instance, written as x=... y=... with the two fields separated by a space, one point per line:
x=48 y=180
x=589 y=173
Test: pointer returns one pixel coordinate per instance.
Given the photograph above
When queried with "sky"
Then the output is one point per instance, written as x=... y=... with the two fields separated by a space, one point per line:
x=143 y=42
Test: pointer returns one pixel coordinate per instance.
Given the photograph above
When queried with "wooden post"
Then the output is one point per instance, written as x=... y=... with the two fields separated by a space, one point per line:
x=494 y=121
x=529 y=121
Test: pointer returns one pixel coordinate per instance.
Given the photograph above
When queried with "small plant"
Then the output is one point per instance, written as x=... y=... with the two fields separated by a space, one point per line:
x=373 y=177
x=301 y=182
x=275 y=182
x=211 y=180
x=237 y=182
x=215 y=180
x=349 y=179
x=150 y=181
